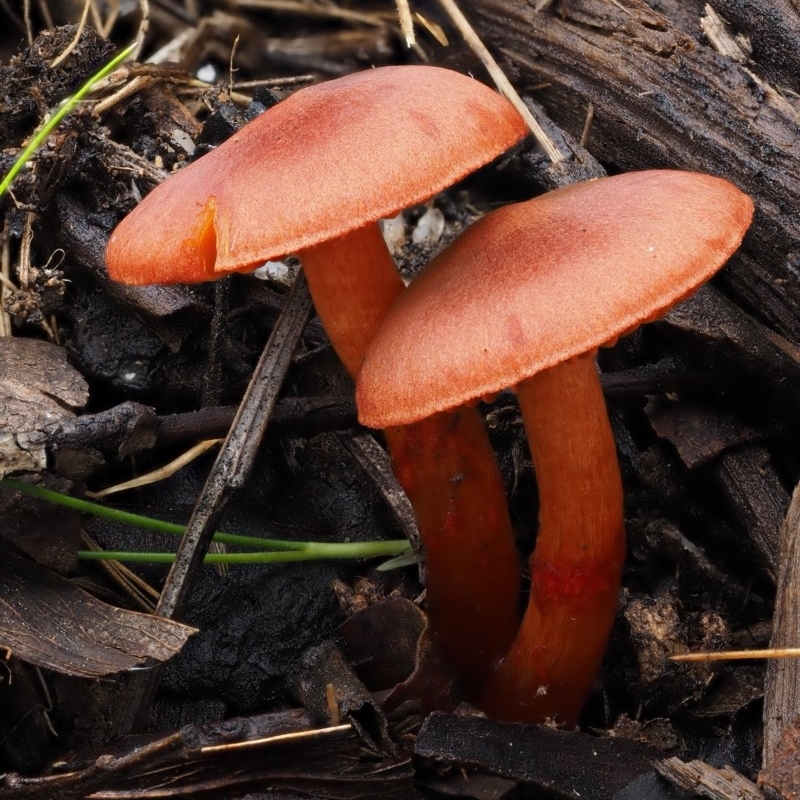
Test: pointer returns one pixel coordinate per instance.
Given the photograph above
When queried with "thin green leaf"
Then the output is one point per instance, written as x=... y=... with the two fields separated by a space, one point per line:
x=63 y=109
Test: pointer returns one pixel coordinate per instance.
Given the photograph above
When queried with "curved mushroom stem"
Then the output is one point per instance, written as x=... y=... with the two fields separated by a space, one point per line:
x=445 y=464
x=576 y=566
x=353 y=282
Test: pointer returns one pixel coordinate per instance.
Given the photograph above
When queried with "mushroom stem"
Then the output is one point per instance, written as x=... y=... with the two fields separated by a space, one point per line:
x=444 y=463
x=577 y=563
x=353 y=282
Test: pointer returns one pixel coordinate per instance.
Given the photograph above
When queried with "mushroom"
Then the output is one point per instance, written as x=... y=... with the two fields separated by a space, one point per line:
x=523 y=299
x=312 y=176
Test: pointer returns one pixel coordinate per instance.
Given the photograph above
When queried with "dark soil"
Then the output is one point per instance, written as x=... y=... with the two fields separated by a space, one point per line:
x=703 y=405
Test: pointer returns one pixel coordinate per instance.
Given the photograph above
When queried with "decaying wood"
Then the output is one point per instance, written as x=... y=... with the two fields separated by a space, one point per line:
x=782 y=686
x=781 y=774
x=662 y=98
x=773 y=29
x=451 y=751
x=86 y=242
x=48 y=621
x=752 y=487
x=37 y=389
x=725 y=338
x=742 y=468
x=703 y=780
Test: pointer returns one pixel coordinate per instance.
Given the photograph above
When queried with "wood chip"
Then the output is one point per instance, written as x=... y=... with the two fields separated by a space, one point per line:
x=48 y=621
x=707 y=781
x=37 y=388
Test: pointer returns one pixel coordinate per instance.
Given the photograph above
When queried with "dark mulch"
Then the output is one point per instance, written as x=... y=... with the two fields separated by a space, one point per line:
x=703 y=404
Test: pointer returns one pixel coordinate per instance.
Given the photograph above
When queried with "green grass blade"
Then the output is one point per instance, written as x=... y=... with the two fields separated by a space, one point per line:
x=63 y=109
x=389 y=547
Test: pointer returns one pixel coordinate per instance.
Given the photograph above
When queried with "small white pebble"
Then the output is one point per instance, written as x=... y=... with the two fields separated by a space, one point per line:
x=430 y=227
x=182 y=139
x=277 y=272
x=207 y=73
x=394 y=232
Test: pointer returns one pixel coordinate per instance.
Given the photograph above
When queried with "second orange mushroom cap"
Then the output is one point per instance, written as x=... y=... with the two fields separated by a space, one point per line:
x=536 y=283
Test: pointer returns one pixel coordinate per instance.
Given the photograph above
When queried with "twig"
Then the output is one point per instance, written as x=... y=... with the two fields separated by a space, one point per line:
x=75 y=39
x=499 y=77
x=406 y=22
x=738 y=655
x=375 y=462
x=26 y=13
x=238 y=452
x=229 y=472
x=24 y=262
x=144 y=27
x=162 y=473
x=5 y=279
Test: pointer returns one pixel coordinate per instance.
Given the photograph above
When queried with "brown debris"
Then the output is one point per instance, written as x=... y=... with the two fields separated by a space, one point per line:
x=704 y=780
x=43 y=86
x=729 y=363
x=37 y=389
x=391 y=645
x=47 y=621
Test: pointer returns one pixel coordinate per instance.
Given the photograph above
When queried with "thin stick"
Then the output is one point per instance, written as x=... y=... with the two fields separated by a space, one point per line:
x=230 y=470
x=24 y=262
x=144 y=27
x=499 y=77
x=6 y=285
x=294 y=736
x=162 y=473
x=78 y=33
x=406 y=22
x=377 y=463
x=238 y=452
x=26 y=11
x=587 y=125
x=738 y=655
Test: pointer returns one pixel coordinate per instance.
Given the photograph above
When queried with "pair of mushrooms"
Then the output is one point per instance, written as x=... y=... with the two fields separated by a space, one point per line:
x=567 y=273
x=312 y=176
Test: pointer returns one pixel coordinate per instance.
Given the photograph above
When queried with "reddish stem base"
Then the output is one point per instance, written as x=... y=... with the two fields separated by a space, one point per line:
x=447 y=468
x=580 y=549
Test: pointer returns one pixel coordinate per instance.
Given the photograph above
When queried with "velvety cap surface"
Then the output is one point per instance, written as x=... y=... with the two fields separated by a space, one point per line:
x=536 y=283
x=329 y=159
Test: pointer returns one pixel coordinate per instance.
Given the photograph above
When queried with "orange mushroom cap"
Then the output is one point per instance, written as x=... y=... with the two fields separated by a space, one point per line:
x=534 y=284
x=329 y=159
